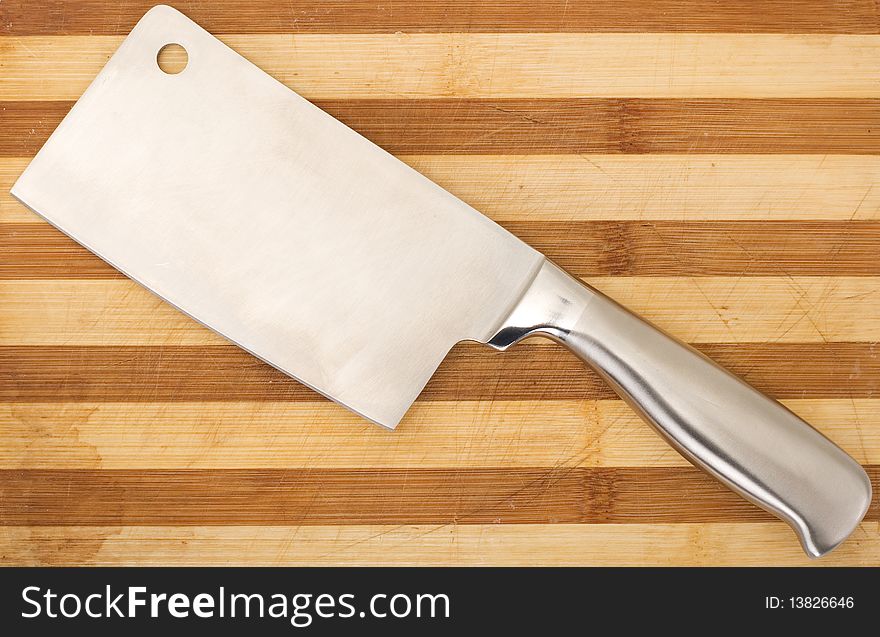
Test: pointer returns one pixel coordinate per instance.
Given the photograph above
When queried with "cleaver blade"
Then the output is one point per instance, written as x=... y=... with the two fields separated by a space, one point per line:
x=264 y=218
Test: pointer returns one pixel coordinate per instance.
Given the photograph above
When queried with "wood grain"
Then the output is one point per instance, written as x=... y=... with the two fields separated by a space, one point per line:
x=88 y=17
x=497 y=66
x=440 y=434
x=586 y=249
x=266 y=497
x=470 y=372
x=562 y=126
x=718 y=544
x=635 y=187
x=711 y=164
x=781 y=308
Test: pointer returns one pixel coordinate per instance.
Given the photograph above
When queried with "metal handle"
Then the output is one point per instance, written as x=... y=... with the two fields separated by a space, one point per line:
x=750 y=442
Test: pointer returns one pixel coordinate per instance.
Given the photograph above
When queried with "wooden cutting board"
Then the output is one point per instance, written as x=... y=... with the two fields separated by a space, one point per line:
x=712 y=165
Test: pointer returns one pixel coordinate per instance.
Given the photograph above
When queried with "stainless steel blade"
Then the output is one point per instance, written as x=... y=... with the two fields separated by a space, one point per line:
x=258 y=214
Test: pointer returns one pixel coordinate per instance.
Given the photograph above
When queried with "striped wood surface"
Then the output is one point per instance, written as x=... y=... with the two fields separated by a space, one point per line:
x=711 y=164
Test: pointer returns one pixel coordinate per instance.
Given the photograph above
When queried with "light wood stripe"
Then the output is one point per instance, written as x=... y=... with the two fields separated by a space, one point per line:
x=503 y=65
x=86 y=17
x=322 y=435
x=699 y=310
x=519 y=188
x=309 y=497
x=585 y=248
x=656 y=187
x=470 y=372
x=11 y=210
x=728 y=544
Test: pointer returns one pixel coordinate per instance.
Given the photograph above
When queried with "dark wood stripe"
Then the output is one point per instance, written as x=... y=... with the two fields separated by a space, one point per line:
x=25 y=126
x=39 y=251
x=84 y=17
x=383 y=496
x=707 y=248
x=612 y=125
x=587 y=248
x=470 y=372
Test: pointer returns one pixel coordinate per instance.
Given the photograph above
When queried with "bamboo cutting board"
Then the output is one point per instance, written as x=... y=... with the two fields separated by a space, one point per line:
x=711 y=165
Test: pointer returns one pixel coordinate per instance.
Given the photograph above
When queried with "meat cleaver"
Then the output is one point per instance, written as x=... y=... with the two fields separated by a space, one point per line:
x=269 y=221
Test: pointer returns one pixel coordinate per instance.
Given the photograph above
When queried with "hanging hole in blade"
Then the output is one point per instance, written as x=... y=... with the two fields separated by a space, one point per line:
x=172 y=58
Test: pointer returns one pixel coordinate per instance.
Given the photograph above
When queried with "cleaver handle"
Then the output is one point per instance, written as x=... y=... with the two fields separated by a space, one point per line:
x=748 y=441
